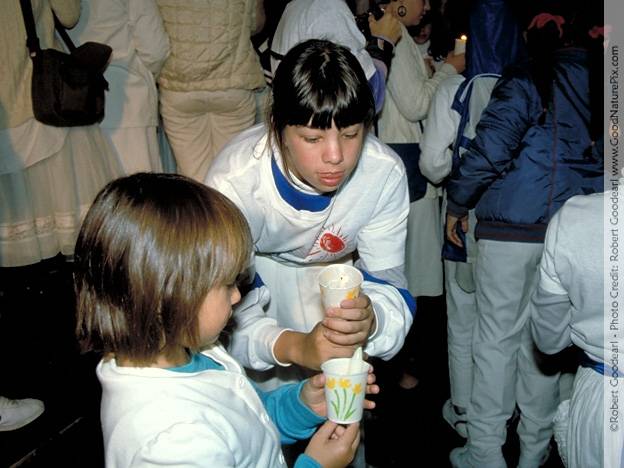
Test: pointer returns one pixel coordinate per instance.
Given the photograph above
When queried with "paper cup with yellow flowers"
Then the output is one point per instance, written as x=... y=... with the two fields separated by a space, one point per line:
x=345 y=386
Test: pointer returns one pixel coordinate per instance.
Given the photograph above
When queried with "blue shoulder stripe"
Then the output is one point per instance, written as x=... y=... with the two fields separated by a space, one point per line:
x=407 y=297
x=245 y=287
x=298 y=200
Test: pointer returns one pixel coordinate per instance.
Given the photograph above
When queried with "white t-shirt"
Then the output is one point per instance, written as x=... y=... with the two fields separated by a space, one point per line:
x=296 y=232
x=567 y=306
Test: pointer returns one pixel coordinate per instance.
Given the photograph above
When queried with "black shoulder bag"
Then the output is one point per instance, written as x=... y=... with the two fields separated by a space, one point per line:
x=67 y=89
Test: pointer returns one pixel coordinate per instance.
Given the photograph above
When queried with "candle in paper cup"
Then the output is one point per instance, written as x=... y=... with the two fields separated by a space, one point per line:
x=345 y=387
x=339 y=282
x=460 y=45
x=355 y=361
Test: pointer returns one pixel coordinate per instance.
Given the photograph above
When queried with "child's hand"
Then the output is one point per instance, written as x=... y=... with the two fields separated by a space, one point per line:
x=334 y=446
x=313 y=395
x=350 y=324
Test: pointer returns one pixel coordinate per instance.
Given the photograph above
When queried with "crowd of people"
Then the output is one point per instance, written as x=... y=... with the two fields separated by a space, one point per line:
x=246 y=145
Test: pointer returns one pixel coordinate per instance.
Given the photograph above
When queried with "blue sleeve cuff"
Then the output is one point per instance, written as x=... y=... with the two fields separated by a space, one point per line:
x=305 y=461
x=294 y=420
x=455 y=209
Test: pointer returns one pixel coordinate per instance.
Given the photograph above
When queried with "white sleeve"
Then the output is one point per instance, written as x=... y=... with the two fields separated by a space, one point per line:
x=381 y=246
x=255 y=332
x=411 y=90
x=148 y=34
x=185 y=445
x=550 y=305
x=436 y=157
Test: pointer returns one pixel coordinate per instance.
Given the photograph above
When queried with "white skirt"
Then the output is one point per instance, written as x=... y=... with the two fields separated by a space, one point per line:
x=43 y=204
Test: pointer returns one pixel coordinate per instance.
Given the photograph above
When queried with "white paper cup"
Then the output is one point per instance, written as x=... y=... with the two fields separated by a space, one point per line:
x=344 y=392
x=339 y=282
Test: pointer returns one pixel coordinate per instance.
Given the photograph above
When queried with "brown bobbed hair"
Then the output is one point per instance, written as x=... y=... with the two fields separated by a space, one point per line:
x=149 y=250
x=316 y=84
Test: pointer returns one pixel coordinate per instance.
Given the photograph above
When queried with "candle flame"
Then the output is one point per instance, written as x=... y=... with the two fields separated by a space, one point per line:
x=463 y=37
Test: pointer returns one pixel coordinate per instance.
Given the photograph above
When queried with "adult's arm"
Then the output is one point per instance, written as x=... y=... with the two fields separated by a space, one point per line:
x=67 y=11
x=148 y=34
x=411 y=90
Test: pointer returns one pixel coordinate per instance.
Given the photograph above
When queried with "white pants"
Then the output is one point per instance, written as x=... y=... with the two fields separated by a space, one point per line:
x=199 y=123
x=579 y=422
x=505 y=372
x=423 y=246
x=461 y=311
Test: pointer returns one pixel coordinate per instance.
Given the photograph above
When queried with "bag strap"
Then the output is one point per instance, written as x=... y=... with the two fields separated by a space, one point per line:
x=63 y=33
x=32 y=41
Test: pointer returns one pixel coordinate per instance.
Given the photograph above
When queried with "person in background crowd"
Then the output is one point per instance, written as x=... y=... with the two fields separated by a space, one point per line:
x=48 y=175
x=495 y=41
x=140 y=46
x=567 y=308
x=208 y=84
x=535 y=147
x=333 y=20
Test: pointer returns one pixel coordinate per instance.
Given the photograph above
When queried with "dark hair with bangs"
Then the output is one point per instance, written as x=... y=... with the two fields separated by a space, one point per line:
x=317 y=83
x=149 y=250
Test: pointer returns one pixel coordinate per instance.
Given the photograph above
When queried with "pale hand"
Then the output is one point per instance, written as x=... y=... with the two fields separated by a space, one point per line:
x=333 y=445
x=350 y=324
x=451 y=233
x=458 y=61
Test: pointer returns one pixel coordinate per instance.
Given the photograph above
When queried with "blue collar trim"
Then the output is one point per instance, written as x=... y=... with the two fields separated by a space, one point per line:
x=298 y=200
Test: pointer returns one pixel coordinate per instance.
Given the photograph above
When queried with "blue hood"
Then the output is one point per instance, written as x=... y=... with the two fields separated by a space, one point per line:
x=494 y=38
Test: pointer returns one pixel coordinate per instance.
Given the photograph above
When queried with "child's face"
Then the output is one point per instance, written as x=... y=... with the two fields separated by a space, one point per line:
x=323 y=158
x=215 y=312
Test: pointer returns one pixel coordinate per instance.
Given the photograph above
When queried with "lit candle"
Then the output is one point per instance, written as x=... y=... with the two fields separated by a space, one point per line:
x=460 y=45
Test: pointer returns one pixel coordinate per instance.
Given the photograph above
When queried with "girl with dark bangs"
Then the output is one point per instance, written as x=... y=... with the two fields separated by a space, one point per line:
x=157 y=261
x=317 y=189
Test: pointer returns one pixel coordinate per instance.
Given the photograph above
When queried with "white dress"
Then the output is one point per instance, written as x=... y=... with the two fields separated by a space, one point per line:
x=135 y=31
x=297 y=232
x=48 y=175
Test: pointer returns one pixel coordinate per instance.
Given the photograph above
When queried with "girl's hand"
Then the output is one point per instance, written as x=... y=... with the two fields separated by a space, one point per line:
x=451 y=223
x=313 y=394
x=458 y=61
x=350 y=324
x=334 y=446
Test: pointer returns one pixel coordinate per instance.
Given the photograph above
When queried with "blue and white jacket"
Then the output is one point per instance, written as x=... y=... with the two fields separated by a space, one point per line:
x=522 y=166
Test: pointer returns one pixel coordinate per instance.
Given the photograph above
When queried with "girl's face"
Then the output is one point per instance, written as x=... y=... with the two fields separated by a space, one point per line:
x=215 y=312
x=423 y=35
x=323 y=159
x=415 y=9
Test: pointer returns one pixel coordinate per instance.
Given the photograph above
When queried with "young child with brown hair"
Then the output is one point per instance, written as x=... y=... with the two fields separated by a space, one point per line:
x=157 y=261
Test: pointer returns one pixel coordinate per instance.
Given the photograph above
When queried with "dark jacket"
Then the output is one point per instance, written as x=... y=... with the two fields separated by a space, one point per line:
x=522 y=165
